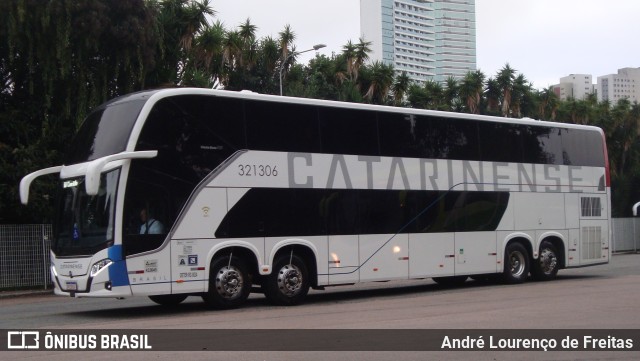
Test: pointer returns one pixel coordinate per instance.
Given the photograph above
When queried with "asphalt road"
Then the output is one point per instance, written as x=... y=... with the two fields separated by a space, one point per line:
x=600 y=297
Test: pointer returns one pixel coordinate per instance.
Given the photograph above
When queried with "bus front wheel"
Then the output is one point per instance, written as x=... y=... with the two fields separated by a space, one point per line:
x=229 y=283
x=516 y=263
x=288 y=283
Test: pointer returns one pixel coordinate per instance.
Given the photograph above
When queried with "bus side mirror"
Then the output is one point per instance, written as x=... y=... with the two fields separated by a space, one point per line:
x=25 y=183
x=94 y=169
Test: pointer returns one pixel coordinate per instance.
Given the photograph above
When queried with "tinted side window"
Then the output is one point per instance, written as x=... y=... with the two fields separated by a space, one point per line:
x=269 y=212
x=193 y=134
x=500 y=142
x=583 y=147
x=542 y=145
x=398 y=137
x=282 y=127
x=382 y=212
x=447 y=138
x=348 y=131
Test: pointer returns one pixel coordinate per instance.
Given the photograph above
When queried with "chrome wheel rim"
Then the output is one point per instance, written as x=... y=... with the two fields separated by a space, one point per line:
x=290 y=280
x=229 y=282
x=548 y=261
x=517 y=263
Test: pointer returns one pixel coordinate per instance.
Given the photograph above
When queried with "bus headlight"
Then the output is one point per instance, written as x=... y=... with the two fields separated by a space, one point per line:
x=99 y=266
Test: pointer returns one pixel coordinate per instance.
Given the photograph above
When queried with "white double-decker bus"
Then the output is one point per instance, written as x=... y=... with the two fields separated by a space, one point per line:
x=179 y=192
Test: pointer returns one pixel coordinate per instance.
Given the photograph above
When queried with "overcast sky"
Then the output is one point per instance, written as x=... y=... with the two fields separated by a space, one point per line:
x=542 y=39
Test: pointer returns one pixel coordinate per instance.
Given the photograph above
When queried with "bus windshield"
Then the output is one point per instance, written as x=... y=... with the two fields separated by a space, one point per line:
x=105 y=132
x=85 y=224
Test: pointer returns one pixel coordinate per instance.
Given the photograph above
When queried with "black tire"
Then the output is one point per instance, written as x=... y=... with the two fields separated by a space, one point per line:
x=288 y=283
x=168 y=300
x=516 y=264
x=451 y=281
x=229 y=283
x=546 y=267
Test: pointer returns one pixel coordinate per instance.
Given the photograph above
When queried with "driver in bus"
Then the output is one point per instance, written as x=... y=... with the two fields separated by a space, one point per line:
x=150 y=225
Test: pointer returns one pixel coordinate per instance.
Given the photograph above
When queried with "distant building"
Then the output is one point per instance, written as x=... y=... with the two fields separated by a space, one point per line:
x=429 y=39
x=625 y=84
x=576 y=86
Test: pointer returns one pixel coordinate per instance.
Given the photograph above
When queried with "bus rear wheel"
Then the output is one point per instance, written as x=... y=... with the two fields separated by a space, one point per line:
x=229 y=283
x=168 y=300
x=546 y=267
x=516 y=264
x=288 y=283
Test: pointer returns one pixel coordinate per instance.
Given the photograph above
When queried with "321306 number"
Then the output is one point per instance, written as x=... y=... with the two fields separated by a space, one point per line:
x=257 y=170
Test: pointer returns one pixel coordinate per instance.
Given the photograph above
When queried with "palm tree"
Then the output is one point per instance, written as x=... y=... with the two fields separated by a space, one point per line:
x=435 y=94
x=287 y=36
x=362 y=50
x=248 y=54
x=450 y=92
x=492 y=94
x=519 y=93
x=400 y=88
x=548 y=105
x=208 y=49
x=193 y=17
x=471 y=90
x=349 y=52
x=247 y=31
x=270 y=54
x=505 y=79
x=380 y=81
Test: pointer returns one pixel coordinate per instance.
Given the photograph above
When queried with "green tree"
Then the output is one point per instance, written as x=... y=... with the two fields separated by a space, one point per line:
x=58 y=59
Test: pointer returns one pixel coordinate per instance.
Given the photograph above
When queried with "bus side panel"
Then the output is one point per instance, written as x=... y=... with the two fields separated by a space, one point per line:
x=343 y=260
x=384 y=257
x=573 y=248
x=150 y=274
x=204 y=215
x=539 y=210
x=594 y=241
x=431 y=255
x=475 y=252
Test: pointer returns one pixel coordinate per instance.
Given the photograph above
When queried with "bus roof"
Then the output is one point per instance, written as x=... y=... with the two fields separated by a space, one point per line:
x=164 y=93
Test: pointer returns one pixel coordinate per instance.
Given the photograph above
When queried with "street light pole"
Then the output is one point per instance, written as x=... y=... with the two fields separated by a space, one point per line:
x=315 y=47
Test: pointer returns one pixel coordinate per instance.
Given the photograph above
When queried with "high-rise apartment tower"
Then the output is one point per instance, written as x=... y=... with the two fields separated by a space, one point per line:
x=429 y=39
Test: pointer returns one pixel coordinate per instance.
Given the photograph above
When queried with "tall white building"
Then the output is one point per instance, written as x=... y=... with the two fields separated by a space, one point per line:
x=625 y=84
x=429 y=39
x=576 y=86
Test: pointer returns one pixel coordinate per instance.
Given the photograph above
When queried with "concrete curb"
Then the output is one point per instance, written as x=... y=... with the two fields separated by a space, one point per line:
x=24 y=293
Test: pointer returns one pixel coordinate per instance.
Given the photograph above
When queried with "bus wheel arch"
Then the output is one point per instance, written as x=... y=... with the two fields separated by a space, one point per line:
x=550 y=259
x=293 y=273
x=517 y=260
x=169 y=300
